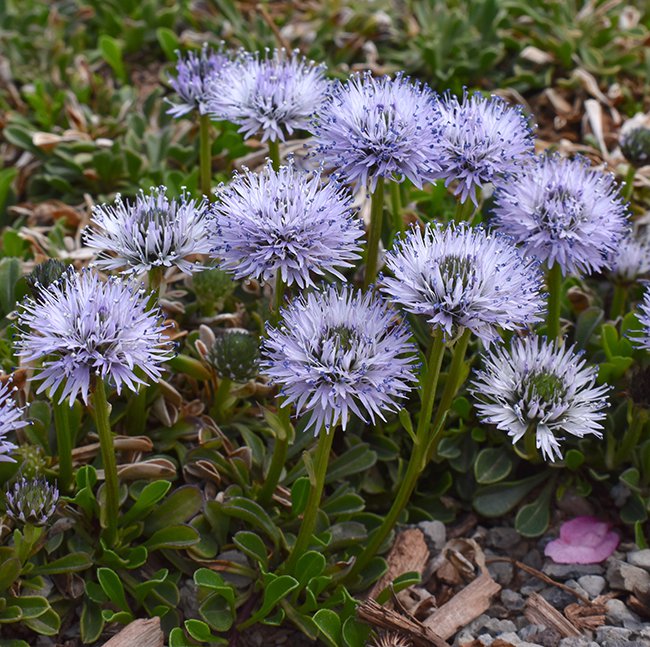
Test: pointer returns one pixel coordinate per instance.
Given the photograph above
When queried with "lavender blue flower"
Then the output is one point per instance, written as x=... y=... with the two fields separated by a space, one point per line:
x=194 y=74
x=631 y=259
x=339 y=352
x=32 y=501
x=481 y=140
x=154 y=231
x=540 y=387
x=285 y=221
x=459 y=277
x=371 y=128
x=271 y=94
x=10 y=420
x=562 y=211
x=81 y=327
x=642 y=340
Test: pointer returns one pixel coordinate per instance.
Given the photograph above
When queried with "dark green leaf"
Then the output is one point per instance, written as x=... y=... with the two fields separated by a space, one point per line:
x=492 y=465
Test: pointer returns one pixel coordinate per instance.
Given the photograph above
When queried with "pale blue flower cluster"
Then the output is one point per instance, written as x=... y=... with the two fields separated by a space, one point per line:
x=543 y=388
x=273 y=94
x=462 y=277
x=371 y=128
x=481 y=140
x=154 y=231
x=287 y=222
x=81 y=328
x=10 y=420
x=340 y=352
x=194 y=74
x=562 y=211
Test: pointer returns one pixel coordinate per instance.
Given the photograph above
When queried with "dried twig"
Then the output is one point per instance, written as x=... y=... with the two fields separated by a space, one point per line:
x=542 y=576
x=374 y=614
x=538 y=611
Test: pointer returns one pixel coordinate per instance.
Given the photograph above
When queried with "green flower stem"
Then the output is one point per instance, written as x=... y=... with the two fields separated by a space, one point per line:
x=637 y=419
x=619 y=300
x=137 y=412
x=155 y=279
x=279 y=290
x=111 y=483
x=554 y=284
x=374 y=235
x=463 y=211
x=221 y=397
x=452 y=385
x=629 y=182
x=279 y=457
x=396 y=208
x=417 y=461
x=205 y=156
x=317 y=483
x=189 y=366
x=274 y=154
x=63 y=444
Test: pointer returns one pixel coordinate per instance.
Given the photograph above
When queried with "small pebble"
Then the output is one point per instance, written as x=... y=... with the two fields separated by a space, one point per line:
x=627 y=577
x=512 y=600
x=571 y=571
x=594 y=585
x=640 y=558
x=502 y=538
x=435 y=532
x=502 y=572
x=557 y=597
x=619 y=614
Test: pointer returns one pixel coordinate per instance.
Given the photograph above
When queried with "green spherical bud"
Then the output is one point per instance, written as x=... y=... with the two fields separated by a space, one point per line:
x=234 y=356
x=31 y=459
x=635 y=145
x=212 y=287
x=44 y=274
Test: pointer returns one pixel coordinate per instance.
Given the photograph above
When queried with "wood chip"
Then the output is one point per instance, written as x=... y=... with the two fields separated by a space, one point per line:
x=409 y=553
x=376 y=615
x=140 y=633
x=467 y=605
x=538 y=611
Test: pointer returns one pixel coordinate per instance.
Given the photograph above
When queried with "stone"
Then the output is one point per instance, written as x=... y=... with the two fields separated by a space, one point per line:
x=594 y=585
x=612 y=634
x=570 y=571
x=502 y=538
x=640 y=558
x=577 y=641
x=533 y=585
x=435 y=532
x=530 y=632
x=618 y=614
x=463 y=637
x=485 y=639
x=512 y=600
x=493 y=626
x=557 y=597
x=627 y=577
x=502 y=572
x=533 y=558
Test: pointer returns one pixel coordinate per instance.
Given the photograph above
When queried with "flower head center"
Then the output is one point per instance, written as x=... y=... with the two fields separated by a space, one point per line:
x=454 y=266
x=546 y=387
x=561 y=210
x=344 y=338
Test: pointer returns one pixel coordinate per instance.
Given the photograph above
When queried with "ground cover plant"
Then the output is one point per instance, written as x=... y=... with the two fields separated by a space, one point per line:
x=277 y=280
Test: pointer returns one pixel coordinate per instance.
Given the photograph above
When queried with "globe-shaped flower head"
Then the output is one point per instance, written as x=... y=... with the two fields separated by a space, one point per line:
x=152 y=232
x=562 y=211
x=631 y=259
x=285 y=221
x=337 y=353
x=371 y=128
x=194 y=74
x=32 y=501
x=480 y=141
x=459 y=277
x=543 y=388
x=81 y=328
x=272 y=94
x=10 y=420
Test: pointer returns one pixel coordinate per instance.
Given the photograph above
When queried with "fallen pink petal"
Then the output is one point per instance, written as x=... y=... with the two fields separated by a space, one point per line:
x=583 y=540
